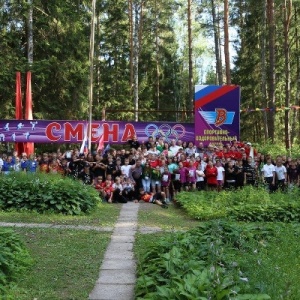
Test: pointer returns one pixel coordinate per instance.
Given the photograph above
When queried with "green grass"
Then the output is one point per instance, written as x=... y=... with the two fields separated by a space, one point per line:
x=66 y=263
x=104 y=215
x=172 y=218
x=274 y=265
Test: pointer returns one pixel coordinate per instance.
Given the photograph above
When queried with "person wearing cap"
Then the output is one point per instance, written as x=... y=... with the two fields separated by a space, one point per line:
x=249 y=150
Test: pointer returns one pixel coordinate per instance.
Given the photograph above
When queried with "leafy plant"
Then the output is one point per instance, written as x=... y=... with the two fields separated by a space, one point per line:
x=46 y=192
x=14 y=259
x=198 y=265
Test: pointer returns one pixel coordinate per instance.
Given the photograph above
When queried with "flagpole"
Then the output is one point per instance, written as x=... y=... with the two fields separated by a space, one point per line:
x=91 y=61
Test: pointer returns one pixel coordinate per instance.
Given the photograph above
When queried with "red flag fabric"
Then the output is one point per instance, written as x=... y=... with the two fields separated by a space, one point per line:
x=28 y=111
x=101 y=143
x=19 y=109
x=29 y=147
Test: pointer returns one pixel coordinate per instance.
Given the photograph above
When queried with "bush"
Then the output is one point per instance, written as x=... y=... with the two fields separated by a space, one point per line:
x=14 y=259
x=200 y=264
x=46 y=192
x=248 y=204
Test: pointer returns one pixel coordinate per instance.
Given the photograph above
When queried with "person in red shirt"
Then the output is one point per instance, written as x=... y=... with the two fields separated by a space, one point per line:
x=155 y=198
x=107 y=191
x=153 y=161
x=211 y=173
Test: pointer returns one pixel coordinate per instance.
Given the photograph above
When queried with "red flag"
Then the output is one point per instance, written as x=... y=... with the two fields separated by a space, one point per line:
x=101 y=143
x=28 y=111
x=19 y=109
x=29 y=147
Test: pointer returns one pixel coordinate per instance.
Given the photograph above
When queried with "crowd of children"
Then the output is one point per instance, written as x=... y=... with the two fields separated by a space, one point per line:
x=156 y=171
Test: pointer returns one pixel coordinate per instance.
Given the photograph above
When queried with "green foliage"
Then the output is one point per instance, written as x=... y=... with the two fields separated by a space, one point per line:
x=14 y=259
x=248 y=204
x=279 y=149
x=199 y=264
x=46 y=192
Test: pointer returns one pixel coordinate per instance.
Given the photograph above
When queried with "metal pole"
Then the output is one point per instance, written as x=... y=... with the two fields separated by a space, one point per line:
x=91 y=61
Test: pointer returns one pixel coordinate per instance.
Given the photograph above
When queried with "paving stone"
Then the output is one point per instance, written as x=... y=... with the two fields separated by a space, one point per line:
x=117 y=246
x=117 y=277
x=112 y=292
x=121 y=264
x=122 y=238
x=117 y=273
x=119 y=255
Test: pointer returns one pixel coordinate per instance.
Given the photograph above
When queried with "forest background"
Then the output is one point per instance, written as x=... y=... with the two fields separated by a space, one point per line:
x=149 y=54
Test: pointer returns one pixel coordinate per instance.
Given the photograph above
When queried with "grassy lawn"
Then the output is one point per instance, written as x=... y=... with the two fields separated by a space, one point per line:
x=66 y=263
x=104 y=215
x=274 y=266
x=151 y=215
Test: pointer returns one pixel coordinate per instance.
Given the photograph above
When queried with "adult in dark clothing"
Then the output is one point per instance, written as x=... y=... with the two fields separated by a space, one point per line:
x=135 y=174
x=110 y=167
x=99 y=168
x=250 y=172
x=148 y=144
x=86 y=175
x=76 y=165
x=134 y=143
x=239 y=172
x=230 y=176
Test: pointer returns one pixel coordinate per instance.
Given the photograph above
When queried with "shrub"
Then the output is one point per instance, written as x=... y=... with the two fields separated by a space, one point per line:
x=199 y=264
x=248 y=204
x=46 y=192
x=14 y=259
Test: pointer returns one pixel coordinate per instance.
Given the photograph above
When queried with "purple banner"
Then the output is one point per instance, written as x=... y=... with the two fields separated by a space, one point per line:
x=217 y=114
x=45 y=131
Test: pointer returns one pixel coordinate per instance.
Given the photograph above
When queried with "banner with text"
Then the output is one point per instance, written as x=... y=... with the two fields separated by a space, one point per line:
x=217 y=114
x=45 y=131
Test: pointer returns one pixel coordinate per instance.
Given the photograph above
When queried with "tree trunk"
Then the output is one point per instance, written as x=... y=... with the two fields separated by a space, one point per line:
x=30 y=34
x=190 y=106
x=272 y=69
x=226 y=42
x=130 y=17
x=217 y=44
x=157 y=91
x=295 y=127
x=264 y=70
x=91 y=75
x=136 y=61
x=287 y=21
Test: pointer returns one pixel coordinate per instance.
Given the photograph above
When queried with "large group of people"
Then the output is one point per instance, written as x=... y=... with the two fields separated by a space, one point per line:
x=156 y=170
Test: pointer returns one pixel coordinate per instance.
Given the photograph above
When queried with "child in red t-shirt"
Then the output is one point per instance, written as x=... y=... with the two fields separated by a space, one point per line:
x=155 y=198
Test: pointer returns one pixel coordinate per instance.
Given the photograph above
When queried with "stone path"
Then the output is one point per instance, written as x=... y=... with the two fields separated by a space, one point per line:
x=117 y=273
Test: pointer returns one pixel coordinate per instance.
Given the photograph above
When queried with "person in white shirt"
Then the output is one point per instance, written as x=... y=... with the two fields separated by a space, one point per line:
x=1 y=164
x=200 y=182
x=126 y=168
x=268 y=173
x=220 y=175
x=281 y=174
x=174 y=148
